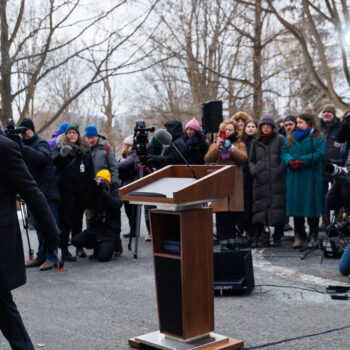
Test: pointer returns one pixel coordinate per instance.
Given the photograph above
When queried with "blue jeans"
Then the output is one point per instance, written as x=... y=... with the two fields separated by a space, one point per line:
x=88 y=239
x=344 y=262
x=41 y=255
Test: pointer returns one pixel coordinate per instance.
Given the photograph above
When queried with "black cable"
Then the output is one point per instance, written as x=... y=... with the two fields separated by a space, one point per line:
x=296 y=338
x=292 y=287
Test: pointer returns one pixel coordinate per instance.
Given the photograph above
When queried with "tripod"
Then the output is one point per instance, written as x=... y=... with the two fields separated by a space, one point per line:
x=136 y=214
x=25 y=220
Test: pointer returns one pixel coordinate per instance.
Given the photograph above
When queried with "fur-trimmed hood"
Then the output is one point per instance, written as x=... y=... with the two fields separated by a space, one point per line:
x=241 y=115
x=82 y=145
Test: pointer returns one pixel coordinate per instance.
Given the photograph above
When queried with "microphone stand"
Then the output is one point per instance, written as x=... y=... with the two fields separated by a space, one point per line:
x=186 y=162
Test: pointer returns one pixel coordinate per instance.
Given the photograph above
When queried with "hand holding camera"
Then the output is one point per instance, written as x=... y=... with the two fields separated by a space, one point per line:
x=16 y=138
x=65 y=150
x=100 y=183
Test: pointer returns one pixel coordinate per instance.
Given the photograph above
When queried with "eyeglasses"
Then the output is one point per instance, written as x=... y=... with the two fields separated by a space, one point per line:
x=72 y=132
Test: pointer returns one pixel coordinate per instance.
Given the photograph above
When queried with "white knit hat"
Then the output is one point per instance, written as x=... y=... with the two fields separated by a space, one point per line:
x=128 y=140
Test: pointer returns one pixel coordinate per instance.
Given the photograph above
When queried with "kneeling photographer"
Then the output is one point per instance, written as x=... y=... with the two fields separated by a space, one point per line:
x=337 y=197
x=103 y=234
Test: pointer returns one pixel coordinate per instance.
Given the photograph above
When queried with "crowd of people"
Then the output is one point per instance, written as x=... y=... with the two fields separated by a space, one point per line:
x=76 y=174
x=280 y=175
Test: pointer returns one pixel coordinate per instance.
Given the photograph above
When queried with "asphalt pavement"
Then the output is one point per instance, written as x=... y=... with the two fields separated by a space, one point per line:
x=99 y=306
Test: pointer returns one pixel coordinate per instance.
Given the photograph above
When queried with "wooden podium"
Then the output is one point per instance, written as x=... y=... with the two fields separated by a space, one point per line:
x=184 y=278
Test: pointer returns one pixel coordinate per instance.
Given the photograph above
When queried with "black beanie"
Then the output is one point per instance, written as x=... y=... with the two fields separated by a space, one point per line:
x=27 y=123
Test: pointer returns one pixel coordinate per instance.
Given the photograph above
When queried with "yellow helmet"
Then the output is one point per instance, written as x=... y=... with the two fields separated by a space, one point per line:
x=104 y=174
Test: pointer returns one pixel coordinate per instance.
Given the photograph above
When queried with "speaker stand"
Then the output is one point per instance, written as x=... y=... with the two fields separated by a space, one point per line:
x=211 y=341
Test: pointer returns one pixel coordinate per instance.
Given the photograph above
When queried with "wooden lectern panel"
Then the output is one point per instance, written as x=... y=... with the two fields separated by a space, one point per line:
x=192 y=269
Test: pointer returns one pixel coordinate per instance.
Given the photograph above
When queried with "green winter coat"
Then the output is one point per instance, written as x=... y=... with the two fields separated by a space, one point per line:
x=304 y=187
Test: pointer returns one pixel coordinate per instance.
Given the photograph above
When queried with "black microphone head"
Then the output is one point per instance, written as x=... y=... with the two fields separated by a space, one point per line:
x=164 y=137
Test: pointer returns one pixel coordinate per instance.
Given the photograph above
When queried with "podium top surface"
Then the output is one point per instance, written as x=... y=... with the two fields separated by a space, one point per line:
x=163 y=187
x=175 y=185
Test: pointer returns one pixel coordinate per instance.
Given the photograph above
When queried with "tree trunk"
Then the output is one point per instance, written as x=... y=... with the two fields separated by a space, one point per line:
x=257 y=61
x=6 y=96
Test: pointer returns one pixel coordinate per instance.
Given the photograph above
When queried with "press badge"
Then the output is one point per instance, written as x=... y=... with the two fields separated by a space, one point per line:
x=82 y=168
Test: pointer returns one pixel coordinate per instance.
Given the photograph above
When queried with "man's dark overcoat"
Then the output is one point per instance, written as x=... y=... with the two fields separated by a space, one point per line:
x=15 y=178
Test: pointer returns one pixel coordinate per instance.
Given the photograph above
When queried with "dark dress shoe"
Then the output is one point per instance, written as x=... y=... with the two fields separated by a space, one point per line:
x=127 y=235
x=67 y=256
x=81 y=253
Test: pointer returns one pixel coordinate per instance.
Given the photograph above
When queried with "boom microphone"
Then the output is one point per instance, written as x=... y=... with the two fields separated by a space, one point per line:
x=165 y=138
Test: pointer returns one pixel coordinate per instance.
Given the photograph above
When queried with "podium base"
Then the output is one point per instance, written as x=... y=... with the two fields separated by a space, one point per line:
x=157 y=340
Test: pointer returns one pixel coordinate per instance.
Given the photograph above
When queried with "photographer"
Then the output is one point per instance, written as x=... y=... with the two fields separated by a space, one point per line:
x=170 y=156
x=37 y=156
x=103 y=233
x=338 y=197
x=15 y=178
x=74 y=168
x=228 y=149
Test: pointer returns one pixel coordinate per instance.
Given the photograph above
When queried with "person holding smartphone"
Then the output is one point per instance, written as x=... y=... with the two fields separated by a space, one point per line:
x=228 y=149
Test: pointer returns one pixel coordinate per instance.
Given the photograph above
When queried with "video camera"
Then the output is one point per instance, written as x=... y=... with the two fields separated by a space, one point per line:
x=341 y=228
x=11 y=128
x=335 y=170
x=140 y=139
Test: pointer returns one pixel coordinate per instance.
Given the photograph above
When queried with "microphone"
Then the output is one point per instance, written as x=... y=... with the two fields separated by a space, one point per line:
x=165 y=138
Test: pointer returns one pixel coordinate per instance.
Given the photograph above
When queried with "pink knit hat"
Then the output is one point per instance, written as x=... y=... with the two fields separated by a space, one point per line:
x=193 y=124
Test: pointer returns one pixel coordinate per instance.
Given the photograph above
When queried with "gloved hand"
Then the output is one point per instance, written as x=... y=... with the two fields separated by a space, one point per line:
x=298 y=164
x=17 y=139
x=65 y=150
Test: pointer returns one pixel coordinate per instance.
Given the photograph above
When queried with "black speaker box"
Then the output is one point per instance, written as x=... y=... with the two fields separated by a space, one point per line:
x=233 y=272
x=211 y=116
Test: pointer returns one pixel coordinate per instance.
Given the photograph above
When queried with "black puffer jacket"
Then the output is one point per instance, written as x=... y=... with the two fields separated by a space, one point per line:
x=269 y=181
x=106 y=216
x=68 y=169
x=37 y=156
x=170 y=156
x=197 y=148
x=335 y=152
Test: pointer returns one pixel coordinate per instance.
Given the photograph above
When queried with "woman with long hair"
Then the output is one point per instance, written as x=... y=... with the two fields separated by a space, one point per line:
x=228 y=149
x=74 y=168
x=269 y=183
x=303 y=152
x=249 y=134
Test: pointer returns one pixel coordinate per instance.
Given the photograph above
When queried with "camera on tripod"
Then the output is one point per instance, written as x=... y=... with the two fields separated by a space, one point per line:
x=341 y=228
x=140 y=140
x=11 y=128
x=335 y=170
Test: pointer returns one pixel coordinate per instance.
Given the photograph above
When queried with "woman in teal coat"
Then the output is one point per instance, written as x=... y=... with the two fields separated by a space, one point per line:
x=303 y=152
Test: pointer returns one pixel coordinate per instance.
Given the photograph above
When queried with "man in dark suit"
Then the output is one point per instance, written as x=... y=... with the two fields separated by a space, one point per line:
x=15 y=178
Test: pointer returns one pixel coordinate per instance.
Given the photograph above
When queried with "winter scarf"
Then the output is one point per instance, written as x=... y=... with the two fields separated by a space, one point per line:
x=300 y=134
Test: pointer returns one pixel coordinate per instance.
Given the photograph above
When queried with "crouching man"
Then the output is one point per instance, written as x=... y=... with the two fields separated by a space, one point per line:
x=103 y=234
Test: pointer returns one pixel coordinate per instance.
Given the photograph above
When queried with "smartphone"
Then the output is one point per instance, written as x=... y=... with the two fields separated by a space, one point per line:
x=222 y=134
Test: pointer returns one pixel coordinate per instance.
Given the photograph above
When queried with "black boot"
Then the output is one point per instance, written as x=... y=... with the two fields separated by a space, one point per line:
x=67 y=256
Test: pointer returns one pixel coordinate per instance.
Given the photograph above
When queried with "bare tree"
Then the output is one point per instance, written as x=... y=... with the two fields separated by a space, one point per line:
x=322 y=42
x=29 y=65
